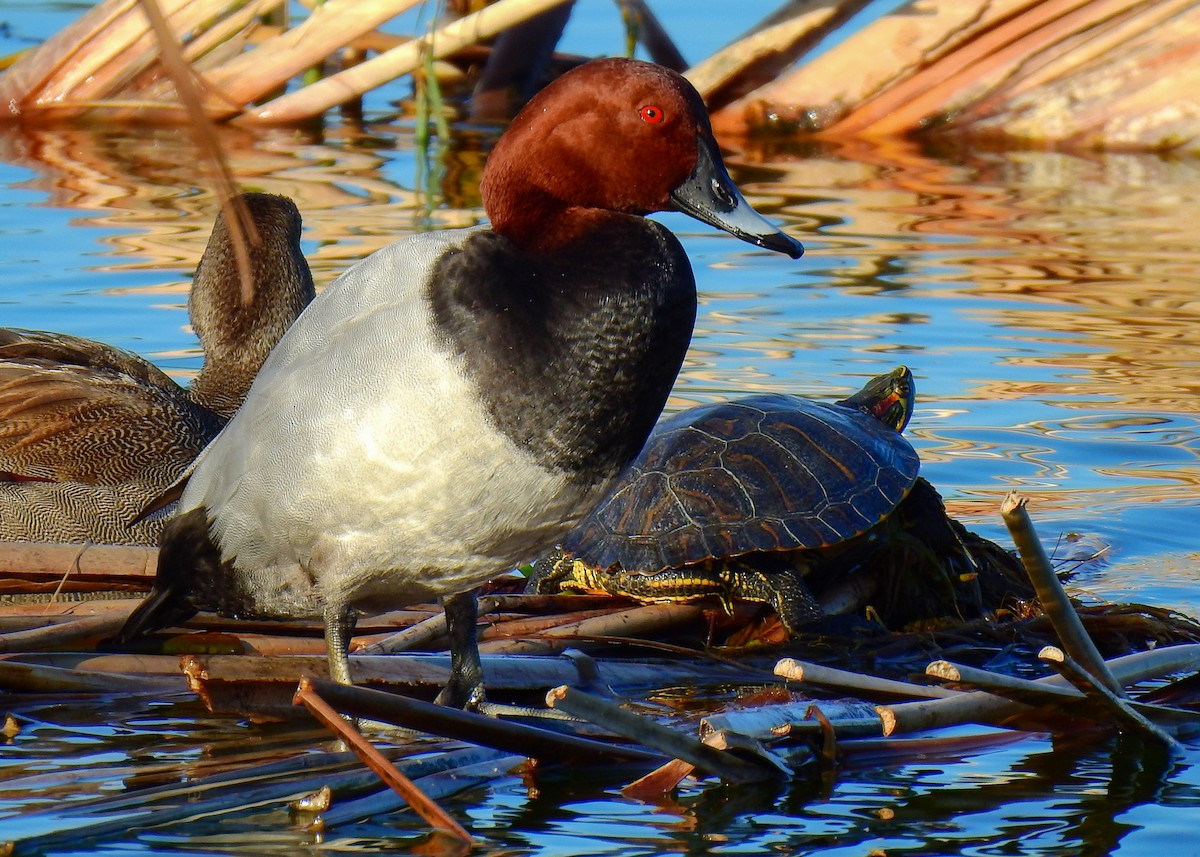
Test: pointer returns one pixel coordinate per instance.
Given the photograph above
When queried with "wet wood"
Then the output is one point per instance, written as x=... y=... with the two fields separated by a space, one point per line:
x=425 y=807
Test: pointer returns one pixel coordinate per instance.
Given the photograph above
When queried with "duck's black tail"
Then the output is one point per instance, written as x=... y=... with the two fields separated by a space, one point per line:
x=184 y=547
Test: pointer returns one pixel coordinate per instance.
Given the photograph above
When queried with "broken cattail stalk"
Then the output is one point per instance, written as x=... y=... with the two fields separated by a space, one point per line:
x=1123 y=715
x=433 y=814
x=315 y=99
x=1051 y=595
x=802 y=671
x=675 y=744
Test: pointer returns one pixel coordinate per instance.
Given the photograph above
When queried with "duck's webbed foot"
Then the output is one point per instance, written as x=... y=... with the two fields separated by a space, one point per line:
x=465 y=687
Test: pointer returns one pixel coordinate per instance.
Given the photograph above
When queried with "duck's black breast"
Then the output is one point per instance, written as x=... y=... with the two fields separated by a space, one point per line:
x=573 y=353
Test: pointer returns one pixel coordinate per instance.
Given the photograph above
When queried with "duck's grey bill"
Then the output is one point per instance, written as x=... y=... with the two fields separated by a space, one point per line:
x=709 y=194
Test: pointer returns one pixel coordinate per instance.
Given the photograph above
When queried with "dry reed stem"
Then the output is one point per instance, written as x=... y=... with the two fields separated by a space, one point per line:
x=329 y=27
x=433 y=814
x=730 y=62
x=242 y=230
x=62 y=633
x=882 y=54
x=351 y=83
x=1070 y=56
x=45 y=559
x=1050 y=593
x=905 y=104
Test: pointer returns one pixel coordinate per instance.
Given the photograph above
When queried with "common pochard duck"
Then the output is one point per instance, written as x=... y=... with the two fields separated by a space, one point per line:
x=454 y=402
x=90 y=434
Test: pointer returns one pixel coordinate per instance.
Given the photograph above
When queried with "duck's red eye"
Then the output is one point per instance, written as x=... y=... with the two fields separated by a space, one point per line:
x=652 y=113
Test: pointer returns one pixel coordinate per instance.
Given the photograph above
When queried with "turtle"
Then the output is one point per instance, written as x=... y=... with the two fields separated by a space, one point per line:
x=750 y=499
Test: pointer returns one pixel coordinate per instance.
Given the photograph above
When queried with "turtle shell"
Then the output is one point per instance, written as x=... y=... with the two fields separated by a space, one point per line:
x=762 y=473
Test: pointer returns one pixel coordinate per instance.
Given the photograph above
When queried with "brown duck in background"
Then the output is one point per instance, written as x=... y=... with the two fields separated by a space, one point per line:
x=90 y=434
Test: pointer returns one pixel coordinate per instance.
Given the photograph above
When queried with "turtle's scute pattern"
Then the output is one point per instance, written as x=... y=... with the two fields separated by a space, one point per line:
x=766 y=472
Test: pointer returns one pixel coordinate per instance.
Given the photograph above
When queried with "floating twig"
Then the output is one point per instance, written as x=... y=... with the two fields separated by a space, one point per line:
x=428 y=809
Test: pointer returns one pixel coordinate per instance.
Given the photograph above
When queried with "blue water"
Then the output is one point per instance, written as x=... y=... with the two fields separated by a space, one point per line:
x=1047 y=304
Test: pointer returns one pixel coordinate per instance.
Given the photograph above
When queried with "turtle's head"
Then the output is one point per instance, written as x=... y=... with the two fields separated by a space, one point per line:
x=889 y=398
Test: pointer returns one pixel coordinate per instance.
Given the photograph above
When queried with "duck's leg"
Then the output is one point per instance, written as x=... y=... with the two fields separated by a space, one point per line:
x=465 y=687
x=339 y=628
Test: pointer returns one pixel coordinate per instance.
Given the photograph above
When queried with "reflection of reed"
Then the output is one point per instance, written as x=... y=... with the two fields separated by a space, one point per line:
x=1091 y=257
x=142 y=188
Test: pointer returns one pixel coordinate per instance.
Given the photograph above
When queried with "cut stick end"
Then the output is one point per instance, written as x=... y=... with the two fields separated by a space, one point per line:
x=1052 y=653
x=888 y=718
x=1012 y=501
x=944 y=670
x=790 y=668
